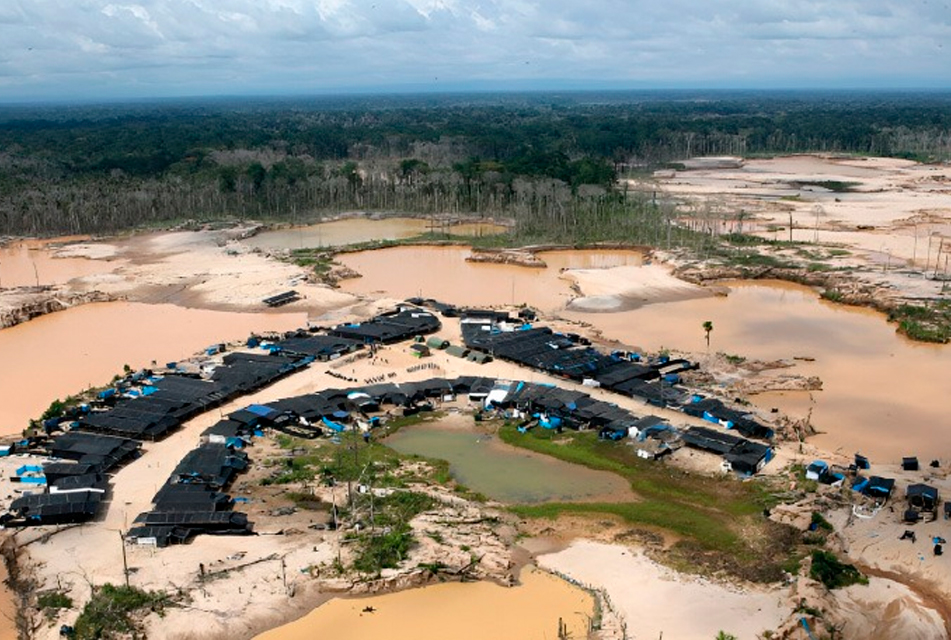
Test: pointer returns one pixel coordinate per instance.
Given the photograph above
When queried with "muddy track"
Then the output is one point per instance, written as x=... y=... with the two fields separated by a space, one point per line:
x=931 y=596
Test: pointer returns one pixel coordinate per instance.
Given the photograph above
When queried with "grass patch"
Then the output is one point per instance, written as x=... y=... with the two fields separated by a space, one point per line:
x=925 y=323
x=390 y=538
x=718 y=518
x=115 y=612
x=306 y=501
x=752 y=259
x=837 y=186
x=51 y=602
x=832 y=295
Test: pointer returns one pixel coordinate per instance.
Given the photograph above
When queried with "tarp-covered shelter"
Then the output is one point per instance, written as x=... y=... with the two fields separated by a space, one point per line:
x=878 y=487
x=922 y=496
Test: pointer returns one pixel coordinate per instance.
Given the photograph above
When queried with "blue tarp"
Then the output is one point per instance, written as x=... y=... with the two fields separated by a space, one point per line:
x=335 y=426
x=550 y=423
x=148 y=390
x=259 y=410
x=29 y=468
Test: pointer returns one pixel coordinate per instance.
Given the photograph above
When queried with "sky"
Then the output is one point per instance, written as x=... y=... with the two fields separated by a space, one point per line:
x=97 y=49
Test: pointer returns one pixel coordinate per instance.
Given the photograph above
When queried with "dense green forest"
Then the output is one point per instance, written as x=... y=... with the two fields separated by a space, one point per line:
x=548 y=161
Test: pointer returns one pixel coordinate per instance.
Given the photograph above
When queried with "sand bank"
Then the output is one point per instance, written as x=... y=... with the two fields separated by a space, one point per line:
x=655 y=600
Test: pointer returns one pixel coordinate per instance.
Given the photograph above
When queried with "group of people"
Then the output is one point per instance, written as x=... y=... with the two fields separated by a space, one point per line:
x=380 y=378
x=341 y=376
x=421 y=366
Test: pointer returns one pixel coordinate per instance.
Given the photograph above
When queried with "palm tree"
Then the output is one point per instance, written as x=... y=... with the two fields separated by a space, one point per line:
x=723 y=635
x=708 y=327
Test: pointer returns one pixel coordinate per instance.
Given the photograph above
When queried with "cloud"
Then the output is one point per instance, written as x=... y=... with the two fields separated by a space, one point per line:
x=107 y=48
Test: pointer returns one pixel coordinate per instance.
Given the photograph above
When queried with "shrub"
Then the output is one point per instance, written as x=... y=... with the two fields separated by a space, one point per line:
x=111 y=612
x=828 y=570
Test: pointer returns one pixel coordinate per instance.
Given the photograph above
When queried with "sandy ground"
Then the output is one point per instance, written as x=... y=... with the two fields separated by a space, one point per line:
x=894 y=219
x=657 y=602
x=206 y=269
x=622 y=288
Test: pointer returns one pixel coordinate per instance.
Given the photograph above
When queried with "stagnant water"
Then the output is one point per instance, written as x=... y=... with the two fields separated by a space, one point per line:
x=501 y=472
x=356 y=230
x=461 y=611
x=60 y=354
x=444 y=274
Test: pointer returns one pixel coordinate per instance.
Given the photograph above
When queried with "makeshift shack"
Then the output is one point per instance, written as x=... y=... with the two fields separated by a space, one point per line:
x=922 y=497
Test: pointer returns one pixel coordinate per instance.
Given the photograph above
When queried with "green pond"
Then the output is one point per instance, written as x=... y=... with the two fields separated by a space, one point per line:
x=501 y=472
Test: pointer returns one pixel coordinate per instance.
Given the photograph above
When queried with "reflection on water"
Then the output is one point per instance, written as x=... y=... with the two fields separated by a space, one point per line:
x=461 y=611
x=443 y=273
x=356 y=230
x=882 y=394
x=63 y=353
x=30 y=262
x=504 y=473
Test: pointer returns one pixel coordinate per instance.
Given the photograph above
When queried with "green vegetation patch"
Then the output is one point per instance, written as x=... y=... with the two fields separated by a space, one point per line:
x=351 y=459
x=115 y=612
x=718 y=519
x=51 y=602
x=929 y=322
x=389 y=537
x=838 y=186
x=376 y=552
x=828 y=570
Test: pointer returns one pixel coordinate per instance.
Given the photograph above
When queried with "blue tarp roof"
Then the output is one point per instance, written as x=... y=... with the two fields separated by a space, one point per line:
x=259 y=410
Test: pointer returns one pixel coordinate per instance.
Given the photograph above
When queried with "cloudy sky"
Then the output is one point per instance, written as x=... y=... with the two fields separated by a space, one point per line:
x=91 y=49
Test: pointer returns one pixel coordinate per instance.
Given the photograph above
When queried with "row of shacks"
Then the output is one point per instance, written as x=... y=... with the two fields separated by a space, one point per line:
x=206 y=473
x=91 y=442
x=570 y=356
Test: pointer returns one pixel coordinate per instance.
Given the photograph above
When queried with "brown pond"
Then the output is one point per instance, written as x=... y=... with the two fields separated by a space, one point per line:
x=882 y=394
x=31 y=262
x=356 y=230
x=442 y=273
x=461 y=611
x=63 y=353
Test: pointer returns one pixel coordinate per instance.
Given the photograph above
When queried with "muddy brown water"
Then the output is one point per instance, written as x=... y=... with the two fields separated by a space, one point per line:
x=882 y=393
x=30 y=263
x=356 y=230
x=60 y=354
x=462 y=611
x=444 y=274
